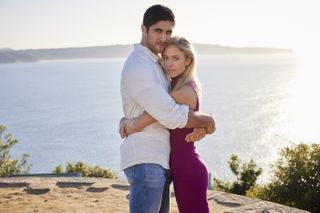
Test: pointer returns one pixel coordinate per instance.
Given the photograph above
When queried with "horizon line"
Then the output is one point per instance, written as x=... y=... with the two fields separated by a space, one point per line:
x=209 y=44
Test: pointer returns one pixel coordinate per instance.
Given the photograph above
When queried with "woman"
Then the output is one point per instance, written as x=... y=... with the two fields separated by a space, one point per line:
x=189 y=172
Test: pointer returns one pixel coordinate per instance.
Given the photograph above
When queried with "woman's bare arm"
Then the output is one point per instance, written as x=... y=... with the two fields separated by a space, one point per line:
x=139 y=123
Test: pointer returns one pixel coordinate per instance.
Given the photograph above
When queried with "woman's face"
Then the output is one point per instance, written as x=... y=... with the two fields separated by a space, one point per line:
x=174 y=61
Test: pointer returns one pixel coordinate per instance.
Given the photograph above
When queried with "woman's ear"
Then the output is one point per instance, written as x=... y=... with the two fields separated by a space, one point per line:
x=188 y=62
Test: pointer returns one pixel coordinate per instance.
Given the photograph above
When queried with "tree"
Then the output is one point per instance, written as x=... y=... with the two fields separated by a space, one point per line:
x=9 y=166
x=296 y=180
x=247 y=176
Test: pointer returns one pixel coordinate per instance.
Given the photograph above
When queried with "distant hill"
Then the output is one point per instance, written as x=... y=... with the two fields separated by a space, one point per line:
x=210 y=49
x=11 y=56
x=116 y=51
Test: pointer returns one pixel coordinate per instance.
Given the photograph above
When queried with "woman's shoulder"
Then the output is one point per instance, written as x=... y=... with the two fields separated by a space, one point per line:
x=184 y=90
x=186 y=94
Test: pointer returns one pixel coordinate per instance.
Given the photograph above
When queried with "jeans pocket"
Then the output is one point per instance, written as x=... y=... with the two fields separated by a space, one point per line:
x=154 y=171
x=154 y=176
x=129 y=172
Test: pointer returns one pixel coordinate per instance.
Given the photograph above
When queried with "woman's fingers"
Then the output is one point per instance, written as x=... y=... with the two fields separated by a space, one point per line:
x=196 y=135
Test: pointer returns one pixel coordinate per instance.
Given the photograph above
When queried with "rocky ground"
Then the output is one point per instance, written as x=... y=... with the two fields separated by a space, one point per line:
x=75 y=194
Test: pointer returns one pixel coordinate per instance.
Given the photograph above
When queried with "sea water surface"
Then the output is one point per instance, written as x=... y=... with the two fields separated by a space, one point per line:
x=68 y=111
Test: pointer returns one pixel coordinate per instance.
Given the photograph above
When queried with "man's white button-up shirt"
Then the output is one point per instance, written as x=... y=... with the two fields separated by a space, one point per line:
x=145 y=87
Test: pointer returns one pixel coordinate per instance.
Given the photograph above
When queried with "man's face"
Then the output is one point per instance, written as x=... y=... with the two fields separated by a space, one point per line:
x=157 y=35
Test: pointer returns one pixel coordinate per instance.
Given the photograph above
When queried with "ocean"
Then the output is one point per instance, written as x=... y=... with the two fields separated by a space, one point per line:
x=68 y=111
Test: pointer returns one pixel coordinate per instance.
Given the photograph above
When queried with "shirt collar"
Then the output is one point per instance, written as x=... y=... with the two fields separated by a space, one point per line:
x=145 y=50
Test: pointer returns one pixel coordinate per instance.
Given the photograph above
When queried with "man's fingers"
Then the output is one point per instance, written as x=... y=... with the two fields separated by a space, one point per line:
x=211 y=128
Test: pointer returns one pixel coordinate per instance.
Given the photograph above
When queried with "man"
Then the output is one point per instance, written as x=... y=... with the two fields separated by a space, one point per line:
x=145 y=154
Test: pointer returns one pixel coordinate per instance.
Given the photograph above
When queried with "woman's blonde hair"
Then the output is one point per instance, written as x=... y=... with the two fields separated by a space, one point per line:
x=189 y=75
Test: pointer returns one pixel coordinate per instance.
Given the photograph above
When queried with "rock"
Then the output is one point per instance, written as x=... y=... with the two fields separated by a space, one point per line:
x=73 y=184
x=97 y=187
x=232 y=199
x=265 y=207
x=13 y=184
x=36 y=188
x=120 y=186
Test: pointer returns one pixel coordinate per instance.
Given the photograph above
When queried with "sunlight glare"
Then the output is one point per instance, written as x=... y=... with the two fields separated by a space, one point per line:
x=303 y=102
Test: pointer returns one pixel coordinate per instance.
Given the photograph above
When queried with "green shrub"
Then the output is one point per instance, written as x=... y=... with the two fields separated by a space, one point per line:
x=9 y=166
x=86 y=170
x=81 y=167
x=257 y=191
x=246 y=175
x=296 y=180
x=58 y=169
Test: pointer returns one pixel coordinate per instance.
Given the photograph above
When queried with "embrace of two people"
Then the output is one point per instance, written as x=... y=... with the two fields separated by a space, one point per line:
x=161 y=100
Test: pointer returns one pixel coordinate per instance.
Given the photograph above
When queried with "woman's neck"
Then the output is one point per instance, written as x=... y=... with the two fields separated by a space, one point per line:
x=174 y=81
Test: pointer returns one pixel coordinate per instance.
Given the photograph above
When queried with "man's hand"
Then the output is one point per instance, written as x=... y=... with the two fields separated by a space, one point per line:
x=211 y=127
x=196 y=135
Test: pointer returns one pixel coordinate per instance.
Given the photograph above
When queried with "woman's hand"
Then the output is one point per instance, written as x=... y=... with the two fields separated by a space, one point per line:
x=131 y=126
x=128 y=127
x=122 y=125
x=196 y=135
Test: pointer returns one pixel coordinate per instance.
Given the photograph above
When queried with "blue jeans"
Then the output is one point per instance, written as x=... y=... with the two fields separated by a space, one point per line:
x=149 y=188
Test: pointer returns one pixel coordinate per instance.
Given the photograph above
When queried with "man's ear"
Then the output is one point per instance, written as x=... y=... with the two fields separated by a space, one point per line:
x=143 y=29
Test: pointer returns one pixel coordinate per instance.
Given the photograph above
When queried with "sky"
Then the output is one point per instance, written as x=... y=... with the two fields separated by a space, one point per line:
x=37 y=24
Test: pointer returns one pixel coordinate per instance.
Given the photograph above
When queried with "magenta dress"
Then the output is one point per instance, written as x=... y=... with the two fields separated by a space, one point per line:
x=189 y=172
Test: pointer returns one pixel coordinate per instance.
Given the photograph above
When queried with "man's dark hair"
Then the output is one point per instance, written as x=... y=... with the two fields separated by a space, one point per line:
x=157 y=13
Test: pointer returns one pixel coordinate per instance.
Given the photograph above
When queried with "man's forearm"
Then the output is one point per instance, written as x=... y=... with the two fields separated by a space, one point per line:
x=200 y=120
